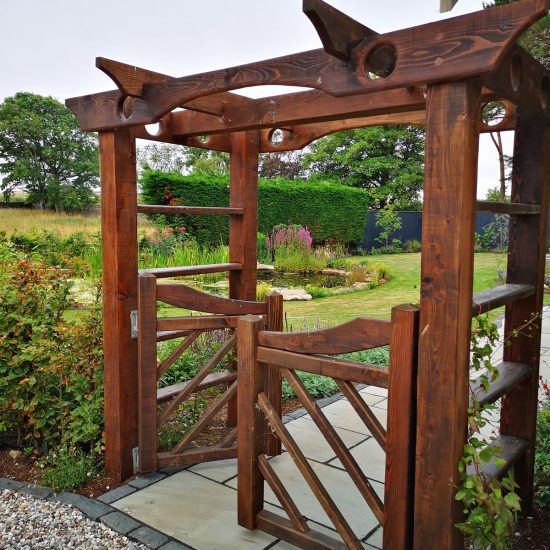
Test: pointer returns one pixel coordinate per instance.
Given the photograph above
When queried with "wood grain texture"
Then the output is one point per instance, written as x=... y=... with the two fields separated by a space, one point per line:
x=445 y=309
x=197 y=322
x=187 y=210
x=251 y=426
x=219 y=378
x=184 y=271
x=325 y=365
x=526 y=264
x=400 y=443
x=119 y=238
x=359 y=334
x=492 y=298
x=147 y=374
x=512 y=208
x=196 y=455
x=179 y=295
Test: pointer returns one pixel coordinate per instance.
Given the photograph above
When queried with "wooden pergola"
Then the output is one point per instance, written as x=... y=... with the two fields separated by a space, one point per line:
x=439 y=75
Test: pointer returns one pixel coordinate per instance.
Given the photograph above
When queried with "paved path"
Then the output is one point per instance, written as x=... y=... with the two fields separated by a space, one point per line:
x=198 y=505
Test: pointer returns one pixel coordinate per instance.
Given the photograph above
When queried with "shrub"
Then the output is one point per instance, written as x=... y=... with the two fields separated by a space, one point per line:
x=358 y=274
x=412 y=245
x=381 y=270
x=262 y=290
x=317 y=386
x=316 y=291
x=542 y=452
x=308 y=204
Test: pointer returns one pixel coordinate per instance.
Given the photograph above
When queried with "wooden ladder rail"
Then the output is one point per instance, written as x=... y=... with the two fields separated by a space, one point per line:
x=226 y=313
x=297 y=351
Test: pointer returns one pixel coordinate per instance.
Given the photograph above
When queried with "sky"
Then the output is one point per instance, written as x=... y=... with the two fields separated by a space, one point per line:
x=49 y=46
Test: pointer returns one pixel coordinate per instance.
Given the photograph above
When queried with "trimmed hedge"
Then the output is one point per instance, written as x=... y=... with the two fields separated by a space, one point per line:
x=330 y=210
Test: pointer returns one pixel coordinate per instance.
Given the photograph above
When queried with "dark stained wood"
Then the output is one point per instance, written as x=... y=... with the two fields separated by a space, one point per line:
x=164 y=335
x=309 y=474
x=205 y=419
x=445 y=309
x=526 y=264
x=361 y=333
x=119 y=238
x=338 y=32
x=400 y=442
x=174 y=356
x=282 y=528
x=185 y=210
x=298 y=521
x=197 y=322
x=147 y=374
x=512 y=449
x=186 y=297
x=169 y=392
x=342 y=369
x=363 y=411
x=195 y=456
x=490 y=299
x=228 y=345
x=337 y=445
x=510 y=375
x=183 y=271
x=513 y=208
x=251 y=426
x=231 y=437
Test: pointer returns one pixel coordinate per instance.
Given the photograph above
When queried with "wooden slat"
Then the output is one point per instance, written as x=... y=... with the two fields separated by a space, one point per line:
x=183 y=271
x=337 y=445
x=512 y=208
x=229 y=439
x=311 y=478
x=513 y=448
x=298 y=521
x=198 y=379
x=119 y=244
x=510 y=375
x=195 y=456
x=188 y=210
x=195 y=300
x=498 y=296
x=163 y=335
x=175 y=355
x=359 y=334
x=197 y=322
x=333 y=367
x=363 y=411
x=282 y=528
x=205 y=419
x=169 y=392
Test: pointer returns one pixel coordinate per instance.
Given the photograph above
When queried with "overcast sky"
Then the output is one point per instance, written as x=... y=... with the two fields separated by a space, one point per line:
x=49 y=46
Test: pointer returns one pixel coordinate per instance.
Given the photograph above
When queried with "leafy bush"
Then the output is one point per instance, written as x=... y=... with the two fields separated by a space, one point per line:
x=308 y=204
x=381 y=270
x=358 y=274
x=262 y=290
x=51 y=371
x=412 y=245
x=317 y=386
x=542 y=452
x=316 y=291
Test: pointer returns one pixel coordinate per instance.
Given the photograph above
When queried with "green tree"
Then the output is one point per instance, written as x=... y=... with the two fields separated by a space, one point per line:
x=286 y=165
x=44 y=153
x=388 y=162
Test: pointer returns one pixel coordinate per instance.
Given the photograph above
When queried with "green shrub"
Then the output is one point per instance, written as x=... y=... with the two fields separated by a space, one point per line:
x=413 y=245
x=317 y=386
x=542 y=452
x=358 y=274
x=380 y=270
x=262 y=290
x=316 y=291
x=308 y=204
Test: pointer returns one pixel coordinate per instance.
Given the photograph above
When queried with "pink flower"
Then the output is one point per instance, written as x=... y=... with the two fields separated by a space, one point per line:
x=181 y=230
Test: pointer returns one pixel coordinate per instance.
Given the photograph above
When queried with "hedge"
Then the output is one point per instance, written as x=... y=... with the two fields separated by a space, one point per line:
x=331 y=211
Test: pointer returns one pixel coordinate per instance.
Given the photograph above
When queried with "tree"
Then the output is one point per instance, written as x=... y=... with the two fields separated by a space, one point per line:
x=388 y=162
x=44 y=153
x=165 y=157
x=286 y=165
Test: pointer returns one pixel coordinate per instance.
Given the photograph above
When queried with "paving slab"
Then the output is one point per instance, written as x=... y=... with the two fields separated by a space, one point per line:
x=219 y=470
x=194 y=510
x=370 y=457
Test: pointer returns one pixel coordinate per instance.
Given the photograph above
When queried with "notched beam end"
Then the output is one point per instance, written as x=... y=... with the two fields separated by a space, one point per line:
x=338 y=32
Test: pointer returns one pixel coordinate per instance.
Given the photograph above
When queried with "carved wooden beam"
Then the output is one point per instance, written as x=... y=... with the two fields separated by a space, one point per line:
x=338 y=32
x=458 y=48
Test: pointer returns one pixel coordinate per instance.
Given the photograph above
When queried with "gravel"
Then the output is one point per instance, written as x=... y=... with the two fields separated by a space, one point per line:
x=28 y=523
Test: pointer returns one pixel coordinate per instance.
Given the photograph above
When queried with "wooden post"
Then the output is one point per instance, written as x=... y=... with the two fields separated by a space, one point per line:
x=243 y=193
x=401 y=432
x=119 y=237
x=273 y=381
x=453 y=120
x=251 y=428
x=526 y=263
x=147 y=373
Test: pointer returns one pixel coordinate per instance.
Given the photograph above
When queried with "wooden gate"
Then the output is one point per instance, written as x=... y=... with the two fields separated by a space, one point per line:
x=157 y=406
x=310 y=352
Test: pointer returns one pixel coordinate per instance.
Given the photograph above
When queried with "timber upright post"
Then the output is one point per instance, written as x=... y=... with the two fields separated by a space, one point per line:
x=452 y=137
x=243 y=193
x=119 y=237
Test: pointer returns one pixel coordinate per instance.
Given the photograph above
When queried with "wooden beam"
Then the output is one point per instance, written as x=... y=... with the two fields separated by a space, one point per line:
x=445 y=309
x=119 y=238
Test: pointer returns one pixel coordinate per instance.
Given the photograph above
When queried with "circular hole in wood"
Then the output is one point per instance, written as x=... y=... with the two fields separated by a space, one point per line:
x=276 y=137
x=204 y=139
x=154 y=129
x=545 y=93
x=493 y=113
x=380 y=61
x=126 y=107
x=516 y=73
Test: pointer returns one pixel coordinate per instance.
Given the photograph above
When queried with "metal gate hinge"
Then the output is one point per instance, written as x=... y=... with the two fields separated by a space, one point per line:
x=134 y=323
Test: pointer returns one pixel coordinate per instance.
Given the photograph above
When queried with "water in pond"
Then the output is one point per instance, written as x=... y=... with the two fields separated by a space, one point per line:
x=300 y=280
